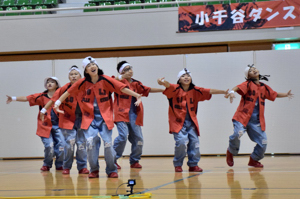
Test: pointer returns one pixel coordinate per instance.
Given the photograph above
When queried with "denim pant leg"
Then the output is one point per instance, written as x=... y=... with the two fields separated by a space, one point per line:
x=121 y=139
x=69 y=136
x=234 y=140
x=181 y=141
x=109 y=152
x=193 y=148
x=136 y=140
x=81 y=154
x=48 y=151
x=92 y=145
x=259 y=137
x=59 y=144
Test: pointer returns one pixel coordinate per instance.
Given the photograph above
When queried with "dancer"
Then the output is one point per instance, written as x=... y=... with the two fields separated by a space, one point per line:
x=48 y=129
x=249 y=116
x=183 y=102
x=70 y=123
x=128 y=117
x=97 y=113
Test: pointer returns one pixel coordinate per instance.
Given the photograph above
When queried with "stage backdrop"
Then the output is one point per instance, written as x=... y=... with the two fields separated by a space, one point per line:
x=239 y=16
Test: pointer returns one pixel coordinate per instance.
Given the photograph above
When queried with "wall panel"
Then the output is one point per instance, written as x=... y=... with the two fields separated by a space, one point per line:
x=211 y=70
x=18 y=121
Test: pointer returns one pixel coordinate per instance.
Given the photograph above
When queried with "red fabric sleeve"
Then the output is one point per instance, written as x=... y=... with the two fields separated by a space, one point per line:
x=114 y=85
x=202 y=93
x=56 y=95
x=34 y=99
x=271 y=95
x=74 y=89
x=170 y=92
x=59 y=92
x=243 y=88
x=142 y=89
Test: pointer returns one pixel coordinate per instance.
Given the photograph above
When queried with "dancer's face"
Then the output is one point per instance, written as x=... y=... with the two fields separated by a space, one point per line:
x=185 y=79
x=253 y=73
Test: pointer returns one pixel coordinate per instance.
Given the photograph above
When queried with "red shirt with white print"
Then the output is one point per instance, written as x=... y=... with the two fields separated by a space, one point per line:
x=102 y=90
x=43 y=127
x=67 y=120
x=122 y=102
x=179 y=100
x=250 y=92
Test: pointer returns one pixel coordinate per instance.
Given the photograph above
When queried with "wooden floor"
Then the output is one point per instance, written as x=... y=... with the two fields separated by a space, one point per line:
x=280 y=179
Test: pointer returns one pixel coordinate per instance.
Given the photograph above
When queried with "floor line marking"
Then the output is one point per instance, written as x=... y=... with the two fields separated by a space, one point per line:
x=163 y=185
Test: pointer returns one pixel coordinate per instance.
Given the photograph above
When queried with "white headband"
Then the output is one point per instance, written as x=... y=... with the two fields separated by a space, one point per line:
x=123 y=66
x=184 y=71
x=247 y=70
x=74 y=68
x=87 y=61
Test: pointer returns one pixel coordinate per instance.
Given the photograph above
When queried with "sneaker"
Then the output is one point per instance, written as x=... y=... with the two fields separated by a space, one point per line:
x=45 y=168
x=178 y=169
x=94 y=174
x=118 y=166
x=66 y=171
x=195 y=169
x=59 y=168
x=254 y=163
x=229 y=158
x=113 y=175
x=136 y=165
x=84 y=171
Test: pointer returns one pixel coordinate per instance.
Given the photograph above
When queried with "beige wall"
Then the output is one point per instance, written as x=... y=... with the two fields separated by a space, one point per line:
x=213 y=70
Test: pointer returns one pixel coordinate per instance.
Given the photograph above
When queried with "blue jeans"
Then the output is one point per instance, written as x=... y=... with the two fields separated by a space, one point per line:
x=93 y=143
x=135 y=138
x=76 y=135
x=81 y=154
x=187 y=141
x=54 y=146
x=254 y=132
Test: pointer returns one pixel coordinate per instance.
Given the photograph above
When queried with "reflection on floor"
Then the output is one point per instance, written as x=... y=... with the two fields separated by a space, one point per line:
x=280 y=178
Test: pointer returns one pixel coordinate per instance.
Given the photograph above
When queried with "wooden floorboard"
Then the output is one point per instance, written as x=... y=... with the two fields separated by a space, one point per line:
x=279 y=179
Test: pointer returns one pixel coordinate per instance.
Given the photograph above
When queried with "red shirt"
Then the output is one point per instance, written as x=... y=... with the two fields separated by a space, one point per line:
x=102 y=90
x=122 y=102
x=67 y=120
x=43 y=127
x=179 y=100
x=250 y=92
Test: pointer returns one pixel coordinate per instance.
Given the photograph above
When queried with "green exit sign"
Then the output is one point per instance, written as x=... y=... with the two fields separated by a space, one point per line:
x=286 y=46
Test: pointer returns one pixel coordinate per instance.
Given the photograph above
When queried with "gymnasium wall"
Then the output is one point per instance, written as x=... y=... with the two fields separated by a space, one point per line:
x=213 y=70
x=118 y=30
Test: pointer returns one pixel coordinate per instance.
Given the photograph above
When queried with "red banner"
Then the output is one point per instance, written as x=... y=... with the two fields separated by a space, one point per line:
x=239 y=16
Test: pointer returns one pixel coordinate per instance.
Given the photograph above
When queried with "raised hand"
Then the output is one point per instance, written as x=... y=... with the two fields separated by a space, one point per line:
x=289 y=94
x=162 y=81
x=9 y=99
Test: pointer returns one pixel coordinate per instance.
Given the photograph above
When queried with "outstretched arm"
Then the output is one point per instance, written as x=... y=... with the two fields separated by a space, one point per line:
x=134 y=94
x=162 y=81
x=216 y=91
x=288 y=94
x=231 y=95
x=156 y=90
x=14 y=98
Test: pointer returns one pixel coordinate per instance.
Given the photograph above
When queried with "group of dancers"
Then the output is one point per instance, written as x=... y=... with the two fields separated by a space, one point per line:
x=76 y=112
